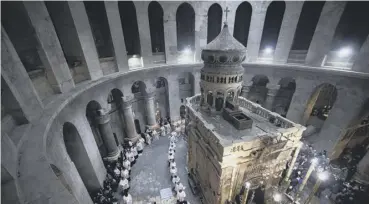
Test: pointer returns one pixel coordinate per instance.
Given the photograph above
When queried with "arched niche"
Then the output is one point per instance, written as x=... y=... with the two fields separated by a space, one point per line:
x=284 y=96
x=128 y=17
x=156 y=14
x=219 y=100
x=185 y=18
x=91 y=115
x=79 y=157
x=242 y=22
x=116 y=114
x=138 y=88
x=317 y=110
x=272 y=26
x=258 y=89
x=214 y=21
x=162 y=98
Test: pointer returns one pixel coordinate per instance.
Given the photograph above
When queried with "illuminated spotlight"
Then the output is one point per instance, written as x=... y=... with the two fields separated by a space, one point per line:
x=268 y=50
x=135 y=61
x=314 y=160
x=277 y=197
x=323 y=175
x=344 y=52
x=247 y=184
x=187 y=51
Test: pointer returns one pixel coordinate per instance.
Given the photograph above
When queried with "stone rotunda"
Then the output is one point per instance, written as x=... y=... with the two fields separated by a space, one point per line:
x=233 y=140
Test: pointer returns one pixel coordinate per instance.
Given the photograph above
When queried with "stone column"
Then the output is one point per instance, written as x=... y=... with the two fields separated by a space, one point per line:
x=362 y=170
x=246 y=89
x=170 y=31
x=117 y=37
x=201 y=27
x=86 y=39
x=272 y=92
x=150 y=109
x=259 y=9
x=287 y=31
x=174 y=100
x=51 y=52
x=196 y=83
x=107 y=134
x=130 y=121
x=361 y=63
x=17 y=79
x=144 y=31
x=324 y=32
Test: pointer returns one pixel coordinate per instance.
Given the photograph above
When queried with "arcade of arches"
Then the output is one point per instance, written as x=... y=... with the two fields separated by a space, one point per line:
x=80 y=78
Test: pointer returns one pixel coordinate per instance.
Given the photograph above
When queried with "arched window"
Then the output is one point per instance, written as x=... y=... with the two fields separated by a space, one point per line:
x=128 y=18
x=185 y=18
x=242 y=22
x=272 y=26
x=214 y=21
x=156 y=27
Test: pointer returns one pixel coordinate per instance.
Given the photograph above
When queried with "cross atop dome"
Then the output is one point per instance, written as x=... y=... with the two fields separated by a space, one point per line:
x=226 y=11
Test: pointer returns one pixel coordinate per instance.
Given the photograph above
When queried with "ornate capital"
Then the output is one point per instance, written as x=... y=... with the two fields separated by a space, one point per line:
x=103 y=116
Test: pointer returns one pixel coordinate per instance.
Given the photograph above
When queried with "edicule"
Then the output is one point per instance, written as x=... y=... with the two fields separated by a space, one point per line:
x=233 y=141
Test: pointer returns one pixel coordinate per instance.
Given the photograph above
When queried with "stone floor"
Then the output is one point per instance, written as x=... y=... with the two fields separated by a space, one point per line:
x=150 y=174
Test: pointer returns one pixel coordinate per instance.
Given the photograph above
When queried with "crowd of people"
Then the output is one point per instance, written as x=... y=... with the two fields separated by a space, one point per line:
x=117 y=182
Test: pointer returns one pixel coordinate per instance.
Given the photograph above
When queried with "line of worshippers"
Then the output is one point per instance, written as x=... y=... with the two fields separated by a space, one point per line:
x=120 y=170
x=178 y=187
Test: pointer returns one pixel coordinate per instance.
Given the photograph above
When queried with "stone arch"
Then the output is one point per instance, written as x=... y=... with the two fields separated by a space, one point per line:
x=284 y=95
x=317 y=110
x=231 y=94
x=138 y=88
x=258 y=89
x=128 y=17
x=185 y=18
x=8 y=187
x=91 y=115
x=214 y=21
x=156 y=15
x=272 y=26
x=355 y=134
x=242 y=22
x=162 y=98
x=79 y=157
x=219 y=100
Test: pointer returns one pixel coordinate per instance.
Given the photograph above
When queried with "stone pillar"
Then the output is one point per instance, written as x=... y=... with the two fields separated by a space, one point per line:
x=301 y=100
x=51 y=52
x=150 y=109
x=287 y=31
x=361 y=63
x=107 y=134
x=17 y=79
x=117 y=37
x=144 y=31
x=174 y=100
x=246 y=89
x=196 y=83
x=201 y=27
x=362 y=170
x=170 y=31
x=130 y=121
x=324 y=32
x=86 y=39
x=259 y=9
x=272 y=92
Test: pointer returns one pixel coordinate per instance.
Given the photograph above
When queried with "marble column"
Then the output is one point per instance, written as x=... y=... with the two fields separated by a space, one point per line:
x=362 y=170
x=170 y=31
x=196 y=83
x=174 y=99
x=16 y=77
x=272 y=92
x=361 y=63
x=201 y=27
x=86 y=39
x=324 y=32
x=106 y=132
x=117 y=37
x=259 y=9
x=144 y=31
x=150 y=109
x=129 y=120
x=51 y=53
x=287 y=32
